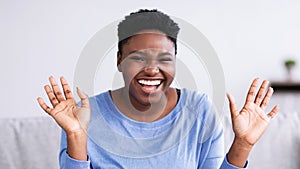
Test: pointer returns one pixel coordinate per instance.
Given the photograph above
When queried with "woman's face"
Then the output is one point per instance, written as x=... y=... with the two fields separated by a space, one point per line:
x=148 y=66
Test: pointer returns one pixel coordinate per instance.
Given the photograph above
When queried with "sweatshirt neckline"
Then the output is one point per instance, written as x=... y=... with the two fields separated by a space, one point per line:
x=155 y=124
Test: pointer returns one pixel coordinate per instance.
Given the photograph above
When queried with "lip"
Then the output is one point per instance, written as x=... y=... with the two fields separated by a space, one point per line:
x=150 y=89
x=150 y=78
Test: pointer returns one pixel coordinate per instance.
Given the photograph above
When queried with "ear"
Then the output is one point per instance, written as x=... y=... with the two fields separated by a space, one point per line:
x=119 y=60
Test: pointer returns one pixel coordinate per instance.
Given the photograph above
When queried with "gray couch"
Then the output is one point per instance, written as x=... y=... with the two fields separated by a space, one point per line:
x=33 y=143
x=29 y=143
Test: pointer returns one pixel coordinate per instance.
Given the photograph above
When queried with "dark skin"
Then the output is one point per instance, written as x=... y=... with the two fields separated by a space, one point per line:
x=149 y=57
x=148 y=68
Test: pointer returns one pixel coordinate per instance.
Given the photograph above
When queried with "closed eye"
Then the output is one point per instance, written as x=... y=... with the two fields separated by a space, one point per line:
x=137 y=58
x=166 y=59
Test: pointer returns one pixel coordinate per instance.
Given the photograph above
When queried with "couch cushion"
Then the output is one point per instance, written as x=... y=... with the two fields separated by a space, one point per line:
x=29 y=143
x=279 y=147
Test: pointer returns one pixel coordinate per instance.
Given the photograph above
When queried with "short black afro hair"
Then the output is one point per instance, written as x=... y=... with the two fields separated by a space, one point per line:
x=145 y=19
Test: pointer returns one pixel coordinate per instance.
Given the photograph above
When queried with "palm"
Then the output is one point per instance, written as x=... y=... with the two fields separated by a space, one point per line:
x=251 y=121
x=71 y=117
x=65 y=111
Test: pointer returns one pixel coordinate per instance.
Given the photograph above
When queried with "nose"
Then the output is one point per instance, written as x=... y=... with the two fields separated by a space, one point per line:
x=151 y=70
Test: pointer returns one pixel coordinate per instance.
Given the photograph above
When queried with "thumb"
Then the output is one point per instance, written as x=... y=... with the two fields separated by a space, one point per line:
x=84 y=98
x=232 y=105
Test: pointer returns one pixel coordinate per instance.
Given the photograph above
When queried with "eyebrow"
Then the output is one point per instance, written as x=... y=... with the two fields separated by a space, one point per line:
x=138 y=52
x=165 y=53
x=145 y=54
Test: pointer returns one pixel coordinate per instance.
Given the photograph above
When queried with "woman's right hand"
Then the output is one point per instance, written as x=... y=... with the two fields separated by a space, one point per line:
x=68 y=115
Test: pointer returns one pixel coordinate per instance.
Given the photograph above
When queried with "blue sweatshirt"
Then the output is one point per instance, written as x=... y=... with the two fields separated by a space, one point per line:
x=189 y=137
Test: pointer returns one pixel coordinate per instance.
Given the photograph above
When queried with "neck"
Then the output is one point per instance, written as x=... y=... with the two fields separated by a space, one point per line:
x=131 y=108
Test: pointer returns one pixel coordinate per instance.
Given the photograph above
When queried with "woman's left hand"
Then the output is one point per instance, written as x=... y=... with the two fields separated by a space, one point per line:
x=251 y=121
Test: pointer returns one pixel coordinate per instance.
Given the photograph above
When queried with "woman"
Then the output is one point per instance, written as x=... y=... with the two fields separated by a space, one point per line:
x=149 y=124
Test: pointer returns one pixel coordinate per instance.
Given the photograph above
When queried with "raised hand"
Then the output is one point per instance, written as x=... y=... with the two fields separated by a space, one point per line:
x=251 y=121
x=69 y=116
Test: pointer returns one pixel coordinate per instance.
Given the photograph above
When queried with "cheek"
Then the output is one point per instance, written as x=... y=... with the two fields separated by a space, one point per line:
x=127 y=75
x=129 y=71
x=169 y=70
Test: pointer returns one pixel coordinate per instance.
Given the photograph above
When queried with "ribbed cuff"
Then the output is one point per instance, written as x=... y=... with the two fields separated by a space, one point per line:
x=71 y=163
x=227 y=165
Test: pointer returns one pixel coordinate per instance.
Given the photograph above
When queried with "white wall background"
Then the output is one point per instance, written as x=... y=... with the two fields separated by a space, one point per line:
x=43 y=38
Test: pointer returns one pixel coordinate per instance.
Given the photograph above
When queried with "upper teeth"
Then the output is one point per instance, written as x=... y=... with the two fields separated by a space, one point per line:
x=150 y=82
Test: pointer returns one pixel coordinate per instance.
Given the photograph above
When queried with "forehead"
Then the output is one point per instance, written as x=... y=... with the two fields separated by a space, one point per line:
x=149 y=40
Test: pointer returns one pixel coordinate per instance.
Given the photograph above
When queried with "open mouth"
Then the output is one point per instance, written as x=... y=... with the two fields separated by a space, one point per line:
x=144 y=82
x=150 y=86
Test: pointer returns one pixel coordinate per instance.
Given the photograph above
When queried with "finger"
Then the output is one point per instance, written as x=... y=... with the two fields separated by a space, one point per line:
x=84 y=98
x=273 y=112
x=251 y=92
x=43 y=105
x=51 y=95
x=66 y=88
x=233 y=108
x=267 y=98
x=261 y=92
x=56 y=89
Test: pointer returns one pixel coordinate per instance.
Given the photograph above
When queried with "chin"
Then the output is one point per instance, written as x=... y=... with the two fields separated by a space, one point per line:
x=146 y=99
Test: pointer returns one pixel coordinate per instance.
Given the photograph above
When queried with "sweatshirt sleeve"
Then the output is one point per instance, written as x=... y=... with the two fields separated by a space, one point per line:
x=65 y=161
x=227 y=165
x=212 y=140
